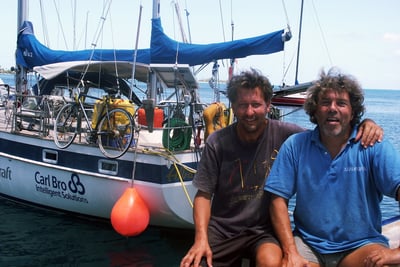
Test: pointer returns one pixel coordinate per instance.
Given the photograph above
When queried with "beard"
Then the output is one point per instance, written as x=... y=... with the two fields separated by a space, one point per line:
x=335 y=130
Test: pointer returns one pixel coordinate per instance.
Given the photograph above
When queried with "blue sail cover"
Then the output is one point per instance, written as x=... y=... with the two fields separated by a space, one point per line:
x=166 y=50
x=31 y=53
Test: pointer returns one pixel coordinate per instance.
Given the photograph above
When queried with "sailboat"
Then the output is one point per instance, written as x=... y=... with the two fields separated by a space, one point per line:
x=293 y=95
x=163 y=157
x=168 y=133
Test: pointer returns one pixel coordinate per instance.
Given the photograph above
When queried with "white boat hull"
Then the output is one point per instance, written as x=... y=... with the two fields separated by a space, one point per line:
x=36 y=179
x=391 y=229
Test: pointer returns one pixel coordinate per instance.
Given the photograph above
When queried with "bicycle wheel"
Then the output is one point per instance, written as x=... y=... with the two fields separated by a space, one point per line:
x=115 y=133
x=65 y=125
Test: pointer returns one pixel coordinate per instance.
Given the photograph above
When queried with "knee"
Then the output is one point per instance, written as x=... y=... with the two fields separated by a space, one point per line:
x=269 y=260
x=271 y=257
x=269 y=263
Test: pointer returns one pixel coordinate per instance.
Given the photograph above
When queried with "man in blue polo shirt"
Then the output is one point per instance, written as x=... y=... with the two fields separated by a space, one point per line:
x=338 y=185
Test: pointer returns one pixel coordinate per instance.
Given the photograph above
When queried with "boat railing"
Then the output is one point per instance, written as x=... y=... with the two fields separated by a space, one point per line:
x=32 y=113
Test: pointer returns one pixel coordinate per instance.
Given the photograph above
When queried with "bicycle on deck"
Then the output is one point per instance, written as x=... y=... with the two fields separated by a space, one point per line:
x=112 y=128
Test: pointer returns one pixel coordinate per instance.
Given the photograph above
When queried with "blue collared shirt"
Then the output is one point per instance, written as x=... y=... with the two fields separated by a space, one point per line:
x=337 y=200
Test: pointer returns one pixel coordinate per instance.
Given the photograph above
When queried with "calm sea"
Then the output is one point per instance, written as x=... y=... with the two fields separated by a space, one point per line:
x=34 y=237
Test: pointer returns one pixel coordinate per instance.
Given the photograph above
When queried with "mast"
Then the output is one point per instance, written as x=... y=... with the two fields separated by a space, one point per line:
x=156 y=9
x=149 y=103
x=298 y=43
x=21 y=80
x=153 y=77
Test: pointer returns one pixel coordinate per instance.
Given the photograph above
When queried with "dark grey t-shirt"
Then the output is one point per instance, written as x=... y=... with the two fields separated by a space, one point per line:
x=235 y=172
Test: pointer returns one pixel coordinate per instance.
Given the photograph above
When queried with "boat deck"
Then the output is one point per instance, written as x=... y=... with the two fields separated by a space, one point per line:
x=29 y=122
x=39 y=124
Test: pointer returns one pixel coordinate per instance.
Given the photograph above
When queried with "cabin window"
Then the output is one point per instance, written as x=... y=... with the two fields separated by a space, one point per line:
x=108 y=167
x=50 y=156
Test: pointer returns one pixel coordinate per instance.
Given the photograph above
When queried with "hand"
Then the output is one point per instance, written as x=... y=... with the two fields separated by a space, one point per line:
x=379 y=258
x=369 y=132
x=295 y=260
x=196 y=253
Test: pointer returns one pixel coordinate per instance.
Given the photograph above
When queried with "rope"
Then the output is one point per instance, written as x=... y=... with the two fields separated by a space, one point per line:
x=183 y=185
x=135 y=155
x=293 y=111
x=180 y=139
x=170 y=156
x=286 y=13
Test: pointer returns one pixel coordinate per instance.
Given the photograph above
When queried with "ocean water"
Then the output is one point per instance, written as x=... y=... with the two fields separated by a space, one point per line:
x=35 y=237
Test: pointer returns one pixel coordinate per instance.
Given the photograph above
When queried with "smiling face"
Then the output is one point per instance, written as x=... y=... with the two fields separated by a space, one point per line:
x=250 y=109
x=334 y=114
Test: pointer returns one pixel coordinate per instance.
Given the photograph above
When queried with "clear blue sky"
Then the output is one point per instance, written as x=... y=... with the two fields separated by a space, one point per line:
x=361 y=37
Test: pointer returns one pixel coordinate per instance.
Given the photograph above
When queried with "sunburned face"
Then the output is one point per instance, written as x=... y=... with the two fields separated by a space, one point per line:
x=334 y=114
x=250 y=110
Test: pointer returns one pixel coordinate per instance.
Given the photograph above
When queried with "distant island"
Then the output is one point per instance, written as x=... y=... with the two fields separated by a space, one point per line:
x=7 y=71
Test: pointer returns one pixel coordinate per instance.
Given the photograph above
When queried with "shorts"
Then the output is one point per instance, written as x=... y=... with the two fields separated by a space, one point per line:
x=327 y=260
x=231 y=251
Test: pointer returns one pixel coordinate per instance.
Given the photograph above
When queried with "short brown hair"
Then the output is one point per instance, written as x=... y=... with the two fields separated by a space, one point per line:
x=249 y=80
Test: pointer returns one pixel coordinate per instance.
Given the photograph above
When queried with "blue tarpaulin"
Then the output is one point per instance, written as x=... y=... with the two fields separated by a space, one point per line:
x=31 y=53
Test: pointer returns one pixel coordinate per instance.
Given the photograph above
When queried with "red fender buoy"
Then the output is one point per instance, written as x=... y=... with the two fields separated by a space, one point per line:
x=130 y=215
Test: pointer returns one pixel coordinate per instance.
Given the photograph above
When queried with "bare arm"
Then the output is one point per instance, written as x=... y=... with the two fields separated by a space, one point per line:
x=201 y=217
x=369 y=133
x=281 y=222
x=383 y=257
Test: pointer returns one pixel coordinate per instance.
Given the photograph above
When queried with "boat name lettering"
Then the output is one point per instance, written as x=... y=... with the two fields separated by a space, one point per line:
x=27 y=53
x=74 y=185
x=5 y=173
x=55 y=187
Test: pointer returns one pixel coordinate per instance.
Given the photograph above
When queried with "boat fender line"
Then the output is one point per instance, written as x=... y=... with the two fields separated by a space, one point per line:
x=183 y=185
x=181 y=135
x=170 y=156
x=216 y=116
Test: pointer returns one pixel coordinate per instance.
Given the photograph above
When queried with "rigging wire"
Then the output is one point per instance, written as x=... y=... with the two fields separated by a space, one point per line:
x=222 y=25
x=115 y=57
x=299 y=42
x=178 y=15
x=232 y=23
x=60 y=24
x=98 y=33
x=135 y=51
x=286 y=14
x=99 y=30
x=187 y=22
x=222 y=20
x=74 y=44
x=86 y=28
x=232 y=61
x=322 y=34
x=285 y=68
x=44 y=24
